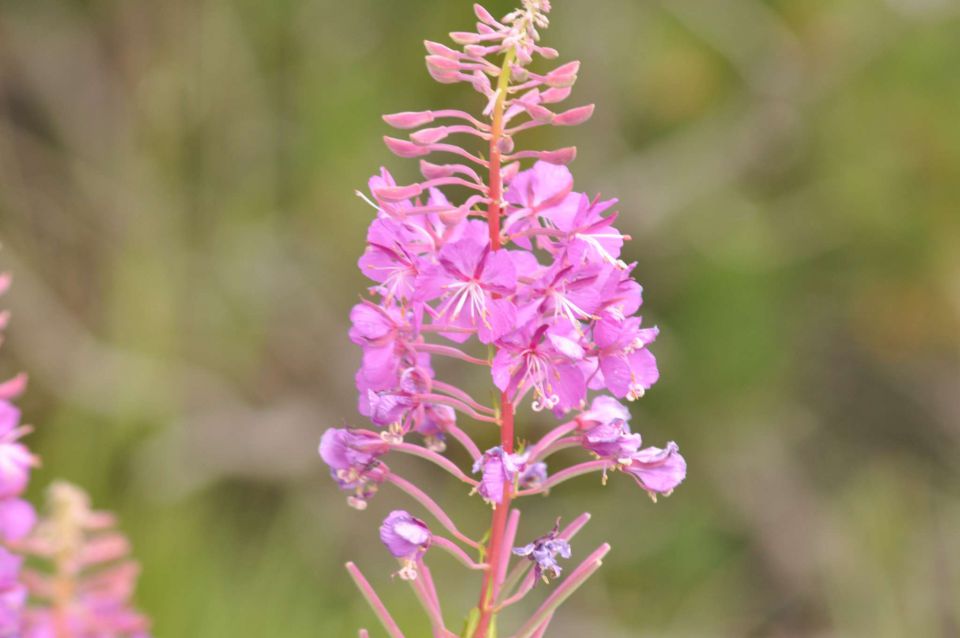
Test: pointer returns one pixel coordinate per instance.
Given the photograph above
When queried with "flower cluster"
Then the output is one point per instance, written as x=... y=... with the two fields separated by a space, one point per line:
x=88 y=589
x=17 y=516
x=88 y=593
x=494 y=260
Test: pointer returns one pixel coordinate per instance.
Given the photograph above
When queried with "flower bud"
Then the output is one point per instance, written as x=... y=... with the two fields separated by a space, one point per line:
x=408 y=119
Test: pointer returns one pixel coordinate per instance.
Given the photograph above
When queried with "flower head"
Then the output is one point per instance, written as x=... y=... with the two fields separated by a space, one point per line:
x=499 y=469
x=407 y=538
x=658 y=471
x=352 y=456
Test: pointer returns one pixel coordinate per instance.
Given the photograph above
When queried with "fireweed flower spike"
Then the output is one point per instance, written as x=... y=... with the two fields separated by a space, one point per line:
x=494 y=251
x=92 y=579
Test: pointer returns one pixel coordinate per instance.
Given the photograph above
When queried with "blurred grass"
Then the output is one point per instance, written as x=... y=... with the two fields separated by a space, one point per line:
x=176 y=203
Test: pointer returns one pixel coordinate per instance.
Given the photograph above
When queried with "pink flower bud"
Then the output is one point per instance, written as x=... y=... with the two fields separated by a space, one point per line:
x=433 y=171
x=549 y=53
x=559 y=156
x=403 y=148
x=563 y=76
x=554 y=95
x=408 y=119
x=483 y=15
x=428 y=136
x=538 y=113
x=464 y=37
x=442 y=50
x=505 y=144
x=574 y=116
x=398 y=193
x=443 y=70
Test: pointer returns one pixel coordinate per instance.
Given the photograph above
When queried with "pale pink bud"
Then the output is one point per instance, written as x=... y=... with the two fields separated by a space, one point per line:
x=429 y=135
x=505 y=144
x=564 y=75
x=442 y=50
x=403 y=148
x=398 y=193
x=538 y=113
x=554 y=95
x=408 y=119
x=549 y=53
x=443 y=70
x=453 y=216
x=433 y=171
x=5 y=280
x=464 y=37
x=560 y=156
x=574 y=116
x=14 y=387
x=483 y=15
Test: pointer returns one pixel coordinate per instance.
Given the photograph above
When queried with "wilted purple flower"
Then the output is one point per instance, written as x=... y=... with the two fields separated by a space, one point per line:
x=352 y=457
x=407 y=538
x=533 y=476
x=603 y=410
x=544 y=551
x=658 y=471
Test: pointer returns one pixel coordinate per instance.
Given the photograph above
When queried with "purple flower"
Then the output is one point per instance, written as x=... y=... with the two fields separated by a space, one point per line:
x=604 y=409
x=535 y=191
x=17 y=518
x=13 y=595
x=407 y=538
x=612 y=440
x=628 y=368
x=352 y=457
x=544 y=362
x=473 y=282
x=544 y=551
x=658 y=471
x=533 y=476
x=499 y=469
x=15 y=459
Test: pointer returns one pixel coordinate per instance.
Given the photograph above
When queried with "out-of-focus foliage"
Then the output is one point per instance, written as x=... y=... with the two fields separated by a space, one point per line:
x=176 y=203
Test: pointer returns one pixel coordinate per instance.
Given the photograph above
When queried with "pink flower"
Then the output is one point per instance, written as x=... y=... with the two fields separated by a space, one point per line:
x=472 y=282
x=544 y=362
x=658 y=471
x=628 y=368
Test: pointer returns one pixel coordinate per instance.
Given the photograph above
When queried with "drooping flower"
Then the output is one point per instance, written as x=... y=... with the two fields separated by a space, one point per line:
x=353 y=460
x=407 y=538
x=544 y=551
x=658 y=471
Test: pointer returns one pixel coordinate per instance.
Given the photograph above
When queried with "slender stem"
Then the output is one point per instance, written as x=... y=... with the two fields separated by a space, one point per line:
x=455 y=551
x=454 y=391
x=542 y=629
x=576 y=578
x=456 y=404
x=551 y=436
x=450 y=351
x=378 y=607
x=421 y=587
x=418 y=495
x=488 y=591
x=464 y=440
x=557 y=446
x=569 y=473
x=433 y=457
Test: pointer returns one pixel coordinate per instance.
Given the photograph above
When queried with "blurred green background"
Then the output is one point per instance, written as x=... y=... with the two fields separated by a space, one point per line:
x=176 y=203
